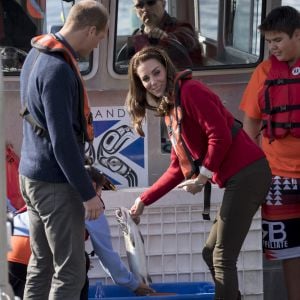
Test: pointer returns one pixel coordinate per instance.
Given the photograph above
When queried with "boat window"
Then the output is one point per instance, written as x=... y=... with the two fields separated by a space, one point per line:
x=225 y=30
x=21 y=20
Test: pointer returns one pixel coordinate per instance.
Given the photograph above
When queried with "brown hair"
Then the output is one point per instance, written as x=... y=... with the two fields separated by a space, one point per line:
x=136 y=100
x=87 y=13
x=96 y=176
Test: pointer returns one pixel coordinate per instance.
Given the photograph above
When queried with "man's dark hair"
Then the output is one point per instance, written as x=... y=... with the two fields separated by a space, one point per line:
x=281 y=19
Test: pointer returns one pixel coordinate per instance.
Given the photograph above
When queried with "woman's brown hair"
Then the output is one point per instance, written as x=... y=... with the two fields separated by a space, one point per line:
x=136 y=100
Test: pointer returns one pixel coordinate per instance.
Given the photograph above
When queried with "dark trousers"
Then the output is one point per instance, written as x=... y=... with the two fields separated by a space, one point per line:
x=56 y=268
x=244 y=193
x=17 y=277
x=85 y=290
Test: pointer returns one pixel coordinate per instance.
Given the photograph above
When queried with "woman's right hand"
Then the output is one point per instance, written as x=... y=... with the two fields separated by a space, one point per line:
x=137 y=210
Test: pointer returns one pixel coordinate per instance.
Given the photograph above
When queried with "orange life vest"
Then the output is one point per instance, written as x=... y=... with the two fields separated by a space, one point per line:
x=280 y=101
x=188 y=165
x=173 y=123
x=50 y=43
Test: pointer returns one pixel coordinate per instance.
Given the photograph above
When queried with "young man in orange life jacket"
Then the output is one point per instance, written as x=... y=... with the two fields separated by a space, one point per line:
x=271 y=104
x=57 y=189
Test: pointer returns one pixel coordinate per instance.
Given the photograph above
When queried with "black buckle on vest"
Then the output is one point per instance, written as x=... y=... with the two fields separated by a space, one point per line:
x=280 y=81
x=288 y=125
x=283 y=108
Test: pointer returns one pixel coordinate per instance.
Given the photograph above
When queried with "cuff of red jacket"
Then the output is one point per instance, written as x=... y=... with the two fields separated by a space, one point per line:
x=205 y=172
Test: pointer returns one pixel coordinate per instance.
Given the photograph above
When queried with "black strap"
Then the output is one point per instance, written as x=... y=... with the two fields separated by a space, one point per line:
x=25 y=113
x=183 y=75
x=236 y=126
x=207 y=197
x=281 y=81
x=283 y=125
x=281 y=109
x=37 y=128
x=274 y=82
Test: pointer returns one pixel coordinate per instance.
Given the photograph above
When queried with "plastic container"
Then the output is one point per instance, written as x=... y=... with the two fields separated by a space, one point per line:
x=178 y=290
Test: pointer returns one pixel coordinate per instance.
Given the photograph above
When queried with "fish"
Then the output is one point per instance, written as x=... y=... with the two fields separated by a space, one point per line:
x=134 y=245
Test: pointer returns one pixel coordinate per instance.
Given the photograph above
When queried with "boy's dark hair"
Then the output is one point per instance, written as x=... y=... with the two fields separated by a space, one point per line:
x=281 y=19
x=99 y=178
x=95 y=175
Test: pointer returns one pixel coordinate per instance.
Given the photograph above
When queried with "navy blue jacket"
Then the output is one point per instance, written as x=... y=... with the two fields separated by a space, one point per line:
x=53 y=101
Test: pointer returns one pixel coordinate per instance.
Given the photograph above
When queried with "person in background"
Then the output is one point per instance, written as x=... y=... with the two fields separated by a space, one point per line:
x=57 y=122
x=19 y=255
x=110 y=260
x=158 y=28
x=207 y=144
x=16 y=27
x=99 y=232
x=16 y=31
x=271 y=105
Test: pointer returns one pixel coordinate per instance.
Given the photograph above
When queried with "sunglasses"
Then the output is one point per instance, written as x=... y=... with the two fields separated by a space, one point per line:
x=141 y=4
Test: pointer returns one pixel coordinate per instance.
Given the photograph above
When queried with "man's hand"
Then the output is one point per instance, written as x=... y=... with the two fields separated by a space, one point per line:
x=151 y=28
x=137 y=210
x=157 y=33
x=193 y=186
x=93 y=208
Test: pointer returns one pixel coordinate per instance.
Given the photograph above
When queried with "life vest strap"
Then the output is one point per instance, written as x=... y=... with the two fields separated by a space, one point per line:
x=281 y=81
x=236 y=126
x=281 y=109
x=283 y=125
x=269 y=124
x=196 y=164
x=38 y=129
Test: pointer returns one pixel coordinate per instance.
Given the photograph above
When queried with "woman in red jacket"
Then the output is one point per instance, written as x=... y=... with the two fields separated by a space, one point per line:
x=208 y=145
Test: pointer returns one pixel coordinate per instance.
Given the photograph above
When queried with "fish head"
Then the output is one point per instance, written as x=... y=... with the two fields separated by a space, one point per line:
x=123 y=218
